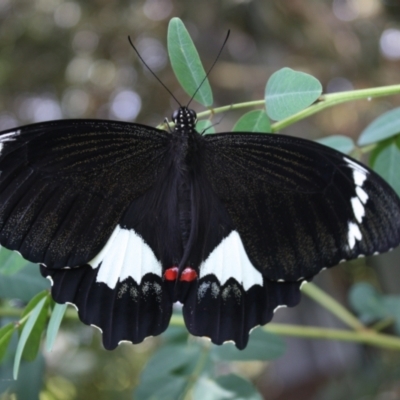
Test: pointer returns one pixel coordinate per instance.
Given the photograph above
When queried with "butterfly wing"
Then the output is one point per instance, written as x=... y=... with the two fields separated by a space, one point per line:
x=273 y=208
x=64 y=185
x=67 y=193
x=299 y=206
x=230 y=296
x=122 y=290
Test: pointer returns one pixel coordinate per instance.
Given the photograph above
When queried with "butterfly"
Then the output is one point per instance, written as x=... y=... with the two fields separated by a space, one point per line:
x=126 y=219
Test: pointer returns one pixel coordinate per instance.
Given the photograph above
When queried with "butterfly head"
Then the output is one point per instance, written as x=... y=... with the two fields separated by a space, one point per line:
x=184 y=118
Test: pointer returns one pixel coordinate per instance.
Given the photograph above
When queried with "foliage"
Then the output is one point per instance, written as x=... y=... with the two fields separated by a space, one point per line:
x=186 y=366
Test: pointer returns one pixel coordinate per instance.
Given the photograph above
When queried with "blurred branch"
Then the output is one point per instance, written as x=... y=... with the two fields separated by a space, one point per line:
x=367 y=336
x=332 y=305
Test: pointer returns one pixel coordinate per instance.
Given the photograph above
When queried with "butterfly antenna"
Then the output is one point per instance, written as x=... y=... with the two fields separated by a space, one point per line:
x=211 y=126
x=155 y=76
x=212 y=66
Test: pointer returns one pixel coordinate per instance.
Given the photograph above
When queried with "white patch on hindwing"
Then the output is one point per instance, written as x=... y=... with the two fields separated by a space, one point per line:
x=125 y=255
x=229 y=260
x=357 y=203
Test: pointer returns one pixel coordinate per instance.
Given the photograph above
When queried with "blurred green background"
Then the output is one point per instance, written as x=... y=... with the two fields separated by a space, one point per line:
x=72 y=59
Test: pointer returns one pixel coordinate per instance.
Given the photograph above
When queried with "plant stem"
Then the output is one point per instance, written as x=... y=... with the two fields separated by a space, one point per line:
x=329 y=100
x=219 y=110
x=325 y=101
x=367 y=336
x=361 y=335
x=71 y=314
x=332 y=305
x=383 y=324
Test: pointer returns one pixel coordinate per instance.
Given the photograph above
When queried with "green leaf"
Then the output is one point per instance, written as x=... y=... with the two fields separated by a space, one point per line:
x=208 y=389
x=33 y=343
x=241 y=388
x=11 y=262
x=392 y=305
x=26 y=331
x=6 y=333
x=253 y=121
x=262 y=346
x=288 y=92
x=54 y=324
x=167 y=372
x=367 y=302
x=230 y=387
x=186 y=63
x=171 y=359
x=373 y=306
x=338 y=142
x=384 y=127
x=32 y=304
x=385 y=160
x=164 y=387
x=24 y=284
x=30 y=381
x=205 y=127
x=176 y=335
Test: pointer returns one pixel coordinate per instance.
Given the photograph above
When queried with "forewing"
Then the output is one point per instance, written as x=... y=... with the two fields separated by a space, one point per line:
x=299 y=206
x=65 y=184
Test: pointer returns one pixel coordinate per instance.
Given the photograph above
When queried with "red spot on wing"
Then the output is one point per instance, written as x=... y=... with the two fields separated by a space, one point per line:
x=188 y=275
x=171 y=273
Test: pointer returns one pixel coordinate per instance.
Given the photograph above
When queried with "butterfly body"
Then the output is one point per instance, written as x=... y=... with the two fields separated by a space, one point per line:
x=127 y=219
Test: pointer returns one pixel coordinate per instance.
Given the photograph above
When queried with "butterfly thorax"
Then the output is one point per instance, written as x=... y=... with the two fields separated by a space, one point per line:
x=184 y=119
x=185 y=133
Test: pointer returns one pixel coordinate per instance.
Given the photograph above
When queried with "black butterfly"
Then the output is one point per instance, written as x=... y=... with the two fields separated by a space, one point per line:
x=126 y=219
